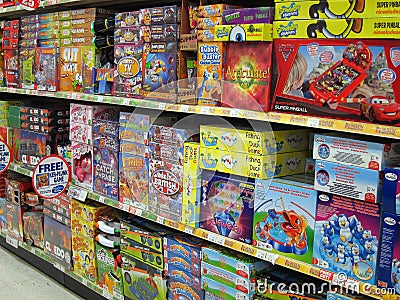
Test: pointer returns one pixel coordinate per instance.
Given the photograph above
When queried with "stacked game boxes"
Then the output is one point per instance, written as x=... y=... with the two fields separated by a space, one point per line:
x=11 y=53
x=225 y=273
x=160 y=57
x=108 y=256
x=81 y=135
x=182 y=266
x=348 y=182
x=84 y=217
x=143 y=260
x=106 y=156
x=28 y=43
x=42 y=131
x=32 y=220
x=59 y=209
x=128 y=52
x=166 y=171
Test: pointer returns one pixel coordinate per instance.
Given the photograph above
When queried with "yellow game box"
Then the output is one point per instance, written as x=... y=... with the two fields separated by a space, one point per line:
x=338 y=28
x=336 y=9
x=243 y=32
x=253 y=166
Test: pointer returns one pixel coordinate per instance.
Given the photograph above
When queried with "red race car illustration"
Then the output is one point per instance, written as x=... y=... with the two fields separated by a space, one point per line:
x=379 y=108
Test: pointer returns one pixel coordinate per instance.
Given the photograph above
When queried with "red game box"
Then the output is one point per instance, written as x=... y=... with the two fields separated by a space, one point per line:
x=247 y=75
x=340 y=78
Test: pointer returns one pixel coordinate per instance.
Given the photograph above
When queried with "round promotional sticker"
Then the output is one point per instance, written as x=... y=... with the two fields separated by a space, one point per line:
x=29 y=4
x=51 y=176
x=5 y=157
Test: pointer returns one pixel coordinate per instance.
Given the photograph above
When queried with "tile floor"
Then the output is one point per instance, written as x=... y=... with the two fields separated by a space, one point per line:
x=21 y=281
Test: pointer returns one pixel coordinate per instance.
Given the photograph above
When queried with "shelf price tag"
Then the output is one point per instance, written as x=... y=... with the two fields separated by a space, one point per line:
x=77 y=193
x=161 y=106
x=271 y=257
x=261 y=254
x=102 y=199
x=160 y=220
x=59 y=267
x=205 y=110
x=215 y=238
x=313 y=122
x=12 y=241
x=184 y=108
x=189 y=230
x=234 y=113
x=107 y=295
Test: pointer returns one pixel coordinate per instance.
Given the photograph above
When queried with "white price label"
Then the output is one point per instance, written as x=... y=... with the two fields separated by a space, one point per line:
x=261 y=254
x=126 y=102
x=220 y=240
x=100 y=98
x=59 y=267
x=160 y=220
x=184 y=108
x=12 y=241
x=102 y=199
x=77 y=193
x=234 y=113
x=161 y=106
x=271 y=257
x=27 y=92
x=107 y=295
x=313 y=122
x=205 y=110
x=212 y=237
x=138 y=212
x=73 y=95
x=189 y=230
x=84 y=281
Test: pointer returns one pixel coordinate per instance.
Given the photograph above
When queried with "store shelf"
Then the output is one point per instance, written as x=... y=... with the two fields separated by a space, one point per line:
x=11 y=10
x=41 y=254
x=273 y=117
x=20 y=169
x=273 y=258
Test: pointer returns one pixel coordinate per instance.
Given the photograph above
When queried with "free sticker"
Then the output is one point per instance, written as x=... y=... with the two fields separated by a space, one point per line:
x=51 y=176
x=5 y=157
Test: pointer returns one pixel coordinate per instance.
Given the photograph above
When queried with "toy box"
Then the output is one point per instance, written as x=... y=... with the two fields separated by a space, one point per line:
x=91 y=13
x=366 y=153
x=46 y=75
x=57 y=241
x=31 y=43
x=163 y=15
x=84 y=257
x=191 y=184
x=136 y=149
x=142 y=253
x=109 y=271
x=170 y=135
x=49 y=17
x=104 y=127
x=206 y=35
x=161 y=33
x=44 y=129
x=89 y=64
x=338 y=78
x=132 y=34
x=165 y=189
x=159 y=71
x=14 y=221
x=85 y=114
x=133 y=180
x=140 y=120
x=346 y=236
x=277 y=140
x=255 y=15
x=57 y=216
x=49 y=26
x=243 y=32
x=216 y=291
x=27 y=63
x=252 y=86
x=33 y=228
x=226 y=205
x=49 y=43
x=10 y=44
x=277 y=205
x=344 y=180
x=70 y=68
x=3 y=215
x=335 y=9
x=48 y=34
x=45 y=112
x=104 y=81
x=208 y=23
x=11 y=61
x=148 y=234
x=391 y=191
x=141 y=280
x=228 y=279
x=89 y=211
x=84 y=229
x=367 y=28
x=78 y=41
x=108 y=142
x=182 y=285
x=214 y=10
x=168 y=153
x=209 y=73
x=11 y=24
x=44 y=120
x=29 y=20
x=253 y=166
x=81 y=133
x=127 y=19
x=128 y=70
x=64 y=15
x=60 y=208
x=82 y=165
x=234 y=262
x=65 y=24
x=16 y=189
x=105 y=179
x=388 y=264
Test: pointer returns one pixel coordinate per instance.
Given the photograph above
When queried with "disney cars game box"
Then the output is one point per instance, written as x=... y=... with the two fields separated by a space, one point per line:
x=340 y=78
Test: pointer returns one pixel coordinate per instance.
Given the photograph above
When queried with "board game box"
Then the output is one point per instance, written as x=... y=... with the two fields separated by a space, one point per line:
x=105 y=180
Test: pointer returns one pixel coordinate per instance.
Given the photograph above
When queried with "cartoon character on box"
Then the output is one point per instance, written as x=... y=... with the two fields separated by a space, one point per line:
x=227 y=206
x=346 y=236
x=70 y=66
x=82 y=165
x=106 y=172
x=340 y=78
x=46 y=75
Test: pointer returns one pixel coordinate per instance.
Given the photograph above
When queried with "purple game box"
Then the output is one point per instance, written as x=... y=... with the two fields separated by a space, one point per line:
x=248 y=15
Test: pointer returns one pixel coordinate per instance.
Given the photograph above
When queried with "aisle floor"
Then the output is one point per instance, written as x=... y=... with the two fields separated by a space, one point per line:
x=19 y=280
